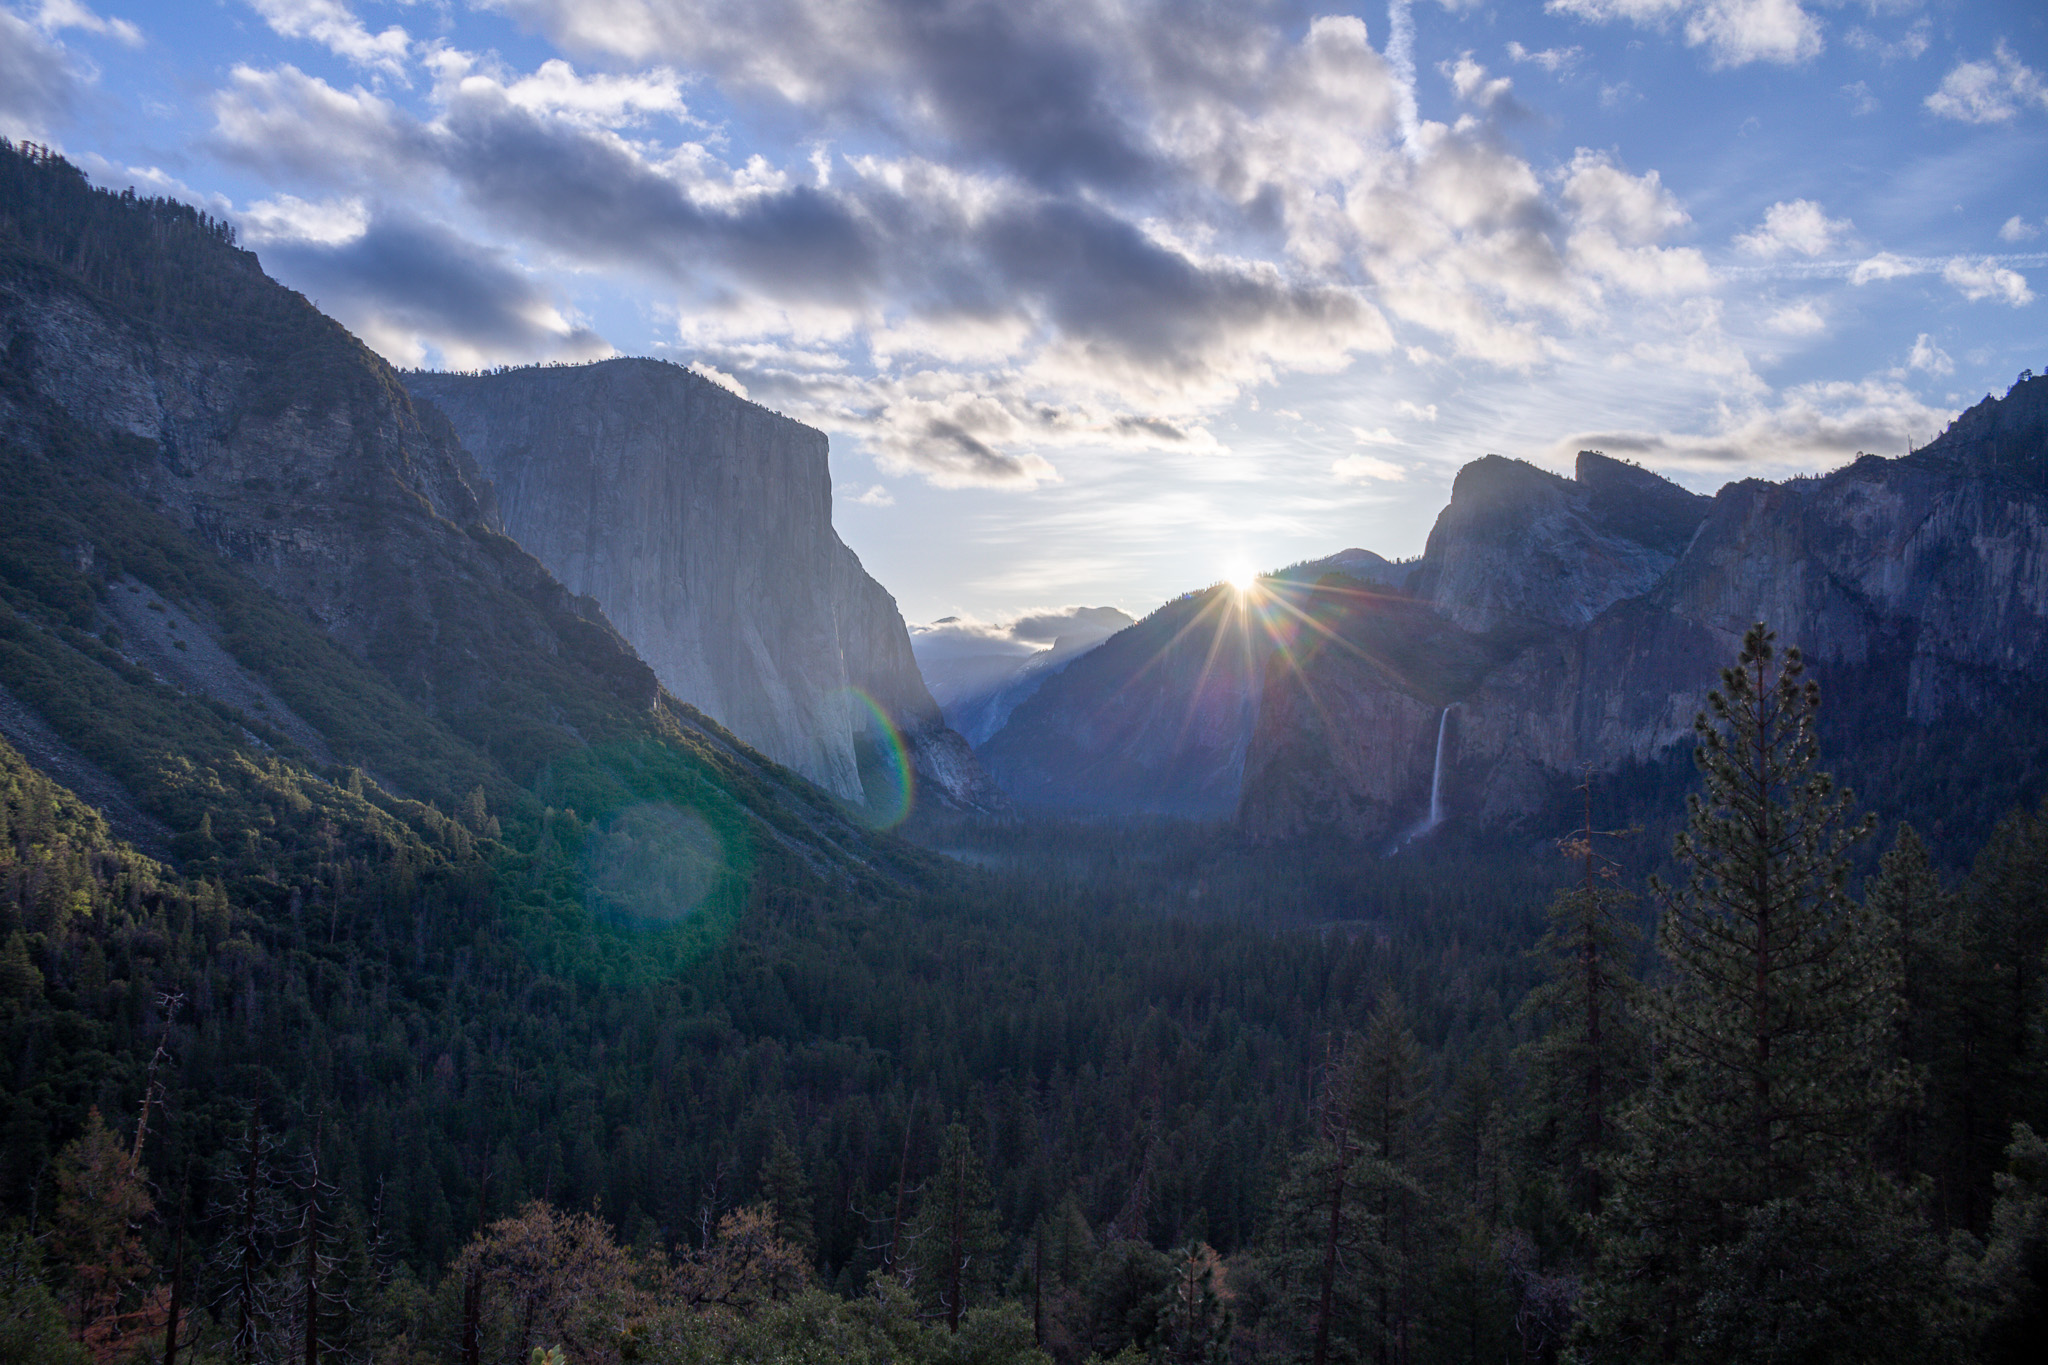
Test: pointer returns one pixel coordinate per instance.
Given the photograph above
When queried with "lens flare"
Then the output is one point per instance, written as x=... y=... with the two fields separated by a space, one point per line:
x=886 y=776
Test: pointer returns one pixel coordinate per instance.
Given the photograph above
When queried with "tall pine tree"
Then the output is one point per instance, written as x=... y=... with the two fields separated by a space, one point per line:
x=1748 y=1219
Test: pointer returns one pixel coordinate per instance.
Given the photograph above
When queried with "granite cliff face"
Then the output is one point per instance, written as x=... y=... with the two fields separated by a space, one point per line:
x=702 y=523
x=1520 y=544
x=1606 y=610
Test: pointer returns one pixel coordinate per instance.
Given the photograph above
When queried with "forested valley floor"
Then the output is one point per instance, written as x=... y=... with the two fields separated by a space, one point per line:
x=1137 y=1092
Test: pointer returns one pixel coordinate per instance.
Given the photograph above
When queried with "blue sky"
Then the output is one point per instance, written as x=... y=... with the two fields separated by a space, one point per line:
x=1100 y=300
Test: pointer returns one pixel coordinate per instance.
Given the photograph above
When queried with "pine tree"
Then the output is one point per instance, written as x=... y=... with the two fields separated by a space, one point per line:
x=1909 y=905
x=957 y=1242
x=1315 y=1271
x=1748 y=1221
x=1387 y=1095
x=1591 y=1053
x=787 y=1191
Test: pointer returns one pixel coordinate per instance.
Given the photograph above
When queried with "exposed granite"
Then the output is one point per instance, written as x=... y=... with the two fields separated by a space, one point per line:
x=702 y=523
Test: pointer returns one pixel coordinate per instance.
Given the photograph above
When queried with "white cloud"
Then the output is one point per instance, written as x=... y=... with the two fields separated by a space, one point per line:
x=1984 y=278
x=287 y=218
x=1367 y=469
x=1551 y=59
x=1798 y=225
x=718 y=377
x=1376 y=436
x=2017 y=229
x=1989 y=92
x=1800 y=319
x=335 y=27
x=1469 y=81
x=1862 y=103
x=1420 y=412
x=876 y=496
x=53 y=16
x=1929 y=357
x=1735 y=32
x=1883 y=266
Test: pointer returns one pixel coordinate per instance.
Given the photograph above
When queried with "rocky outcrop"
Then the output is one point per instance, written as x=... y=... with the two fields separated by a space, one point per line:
x=702 y=524
x=1520 y=544
x=1924 y=578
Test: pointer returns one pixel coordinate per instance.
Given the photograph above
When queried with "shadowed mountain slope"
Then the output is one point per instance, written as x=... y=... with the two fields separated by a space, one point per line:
x=248 y=580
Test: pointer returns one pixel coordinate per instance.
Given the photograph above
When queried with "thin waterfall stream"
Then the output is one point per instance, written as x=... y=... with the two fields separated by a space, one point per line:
x=1436 y=777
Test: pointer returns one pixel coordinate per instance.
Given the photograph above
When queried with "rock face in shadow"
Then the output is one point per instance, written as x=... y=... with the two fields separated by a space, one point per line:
x=702 y=523
x=1520 y=544
x=1601 y=609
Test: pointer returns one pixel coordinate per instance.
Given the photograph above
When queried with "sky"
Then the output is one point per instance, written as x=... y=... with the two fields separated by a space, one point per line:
x=1101 y=301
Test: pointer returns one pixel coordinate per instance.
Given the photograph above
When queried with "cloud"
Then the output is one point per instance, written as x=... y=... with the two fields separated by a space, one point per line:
x=1989 y=92
x=1908 y=47
x=1376 y=436
x=2017 y=229
x=1800 y=319
x=718 y=377
x=1809 y=427
x=1551 y=59
x=1471 y=83
x=1367 y=469
x=1983 y=278
x=1421 y=413
x=1929 y=357
x=331 y=24
x=409 y=288
x=957 y=636
x=1798 y=225
x=53 y=16
x=1883 y=266
x=1735 y=32
x=876 y=496
x=1861 y=102
x=991 y=297
x=38 y=87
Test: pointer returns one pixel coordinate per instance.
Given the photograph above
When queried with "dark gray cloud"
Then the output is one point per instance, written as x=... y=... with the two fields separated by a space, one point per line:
x=401 y=276
x=589 y=196
x=1043 y=89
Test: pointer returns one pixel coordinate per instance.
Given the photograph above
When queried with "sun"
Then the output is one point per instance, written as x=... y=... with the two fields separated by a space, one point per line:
x=1241 y=576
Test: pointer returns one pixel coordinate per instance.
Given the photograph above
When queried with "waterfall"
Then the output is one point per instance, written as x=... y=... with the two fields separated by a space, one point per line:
x=1436 y=778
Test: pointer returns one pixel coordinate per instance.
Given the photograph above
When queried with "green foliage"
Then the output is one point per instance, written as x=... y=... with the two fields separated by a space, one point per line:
x=1748 y=1222
x=32 y=1327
